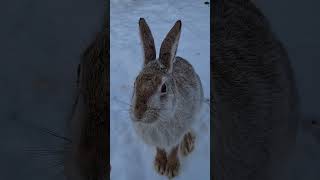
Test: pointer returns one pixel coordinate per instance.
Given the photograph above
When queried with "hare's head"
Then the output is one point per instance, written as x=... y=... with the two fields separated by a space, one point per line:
x=154 y=89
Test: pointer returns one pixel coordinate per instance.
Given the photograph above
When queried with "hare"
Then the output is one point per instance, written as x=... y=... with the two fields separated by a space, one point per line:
x=166 y=100
x=255 y=98
x=87 y=155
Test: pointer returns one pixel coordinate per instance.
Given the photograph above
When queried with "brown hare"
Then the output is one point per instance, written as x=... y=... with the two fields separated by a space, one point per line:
x=166 y=100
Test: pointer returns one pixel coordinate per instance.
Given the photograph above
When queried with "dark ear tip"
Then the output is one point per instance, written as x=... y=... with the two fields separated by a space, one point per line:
x=179 y=23
x=141 y=20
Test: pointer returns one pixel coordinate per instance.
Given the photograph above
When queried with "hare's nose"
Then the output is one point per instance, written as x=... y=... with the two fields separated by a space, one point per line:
x=139 y=111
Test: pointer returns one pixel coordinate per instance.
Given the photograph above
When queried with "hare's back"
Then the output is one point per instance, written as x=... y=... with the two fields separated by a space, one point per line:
x=185 y=75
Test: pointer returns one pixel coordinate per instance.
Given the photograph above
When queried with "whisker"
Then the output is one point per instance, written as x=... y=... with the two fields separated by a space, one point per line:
x=47 y=158
x=127 y=110
x=44 y=151
x=45 y=131
x=50 y=132
x=149 y=108
x=120 y=101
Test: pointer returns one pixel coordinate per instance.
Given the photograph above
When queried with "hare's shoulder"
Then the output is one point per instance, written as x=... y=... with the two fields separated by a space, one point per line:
x=184 y=73
x=182 y=66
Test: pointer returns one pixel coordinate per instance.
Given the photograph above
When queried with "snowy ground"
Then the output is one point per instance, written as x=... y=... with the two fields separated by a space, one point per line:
x=130 y=157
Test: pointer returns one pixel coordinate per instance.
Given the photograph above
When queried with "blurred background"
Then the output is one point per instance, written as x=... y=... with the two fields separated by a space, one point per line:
x=40 y=47
x=297 y=26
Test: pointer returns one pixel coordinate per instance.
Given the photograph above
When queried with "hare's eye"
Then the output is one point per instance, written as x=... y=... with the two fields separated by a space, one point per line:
x=164 y=88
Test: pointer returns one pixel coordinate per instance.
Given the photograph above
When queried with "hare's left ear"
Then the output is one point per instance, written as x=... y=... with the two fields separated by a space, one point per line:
x=149 y=49
x=169 y=46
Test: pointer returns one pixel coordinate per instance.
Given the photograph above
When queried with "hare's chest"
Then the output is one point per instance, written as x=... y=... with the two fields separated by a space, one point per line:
x=161 y=134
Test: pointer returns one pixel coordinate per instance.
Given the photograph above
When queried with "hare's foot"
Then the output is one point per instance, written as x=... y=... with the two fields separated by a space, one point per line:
x=188 y=143
x=173 y=163
x=160 y=161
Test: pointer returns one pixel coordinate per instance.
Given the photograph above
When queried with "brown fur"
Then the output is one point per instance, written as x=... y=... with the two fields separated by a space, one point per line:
x=147 y=42
x=167 y=164
x=184 y=91
x=170 y=164
x=160 y=161
x=173 y=163
x=90 y=157
x=148 y=85
x=94 y=133
x=187 y=144
x=184 y=67
x=169 y=46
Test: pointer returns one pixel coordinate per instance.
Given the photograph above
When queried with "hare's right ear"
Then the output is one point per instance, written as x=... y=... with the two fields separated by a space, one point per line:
x=149 y=49
x=169 y=46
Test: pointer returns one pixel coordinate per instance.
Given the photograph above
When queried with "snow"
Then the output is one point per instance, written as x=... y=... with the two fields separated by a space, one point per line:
x=130 y=157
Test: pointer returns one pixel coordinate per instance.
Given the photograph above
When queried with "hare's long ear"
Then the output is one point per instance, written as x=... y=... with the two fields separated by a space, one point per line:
x=149 y=49
x=169 y=46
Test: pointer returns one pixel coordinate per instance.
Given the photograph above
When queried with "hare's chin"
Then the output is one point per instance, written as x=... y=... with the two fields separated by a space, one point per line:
x=144 y=121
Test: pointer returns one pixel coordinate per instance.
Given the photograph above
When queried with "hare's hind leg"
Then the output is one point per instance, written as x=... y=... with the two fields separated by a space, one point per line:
x=160 y=161
x=188 y=143
x=173 y=163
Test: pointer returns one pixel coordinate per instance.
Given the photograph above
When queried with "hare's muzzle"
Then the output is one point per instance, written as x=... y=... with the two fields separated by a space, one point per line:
x=139 y=111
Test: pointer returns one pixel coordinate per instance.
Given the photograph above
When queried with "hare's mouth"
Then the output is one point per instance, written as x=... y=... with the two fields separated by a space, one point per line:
x=141 y=115
x=147 y=118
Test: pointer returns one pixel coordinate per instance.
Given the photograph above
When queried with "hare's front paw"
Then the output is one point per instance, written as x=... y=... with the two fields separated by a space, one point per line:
x=160 y=161
x=173 y=167
x=173 y=164
x=187 y=144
